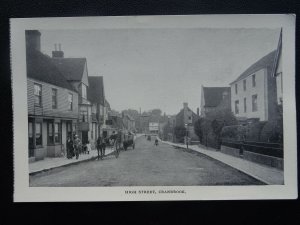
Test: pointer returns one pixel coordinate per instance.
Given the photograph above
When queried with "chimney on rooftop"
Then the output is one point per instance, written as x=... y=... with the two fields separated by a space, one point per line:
x=57 y=53
x=198 y=111
x=185 y=105
x=33 y=40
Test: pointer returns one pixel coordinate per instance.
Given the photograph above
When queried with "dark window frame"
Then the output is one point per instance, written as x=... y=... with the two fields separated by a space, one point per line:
x=70 y=103
x=236 y=109
x=245 y=85
x=254 y=103
x=37 y=96
x=245 y=105
x=253 y=80
x=41 y=134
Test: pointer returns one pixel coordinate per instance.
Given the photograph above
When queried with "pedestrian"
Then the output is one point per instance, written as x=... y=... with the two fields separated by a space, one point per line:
x=99 y=146
x=70 y=148
x=88 y=147
x=77 y=143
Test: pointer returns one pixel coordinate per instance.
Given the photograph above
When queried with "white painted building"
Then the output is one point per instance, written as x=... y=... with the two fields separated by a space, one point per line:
x=253 y=93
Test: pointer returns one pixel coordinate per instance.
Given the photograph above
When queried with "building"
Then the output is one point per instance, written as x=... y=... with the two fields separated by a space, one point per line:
x=129 y=122
x=52 y=103
x=153 y=127
x=187 y=118
x=253 y=93
x=76 y=73
x=96 y=96
x=213 y=98
x=277 y=70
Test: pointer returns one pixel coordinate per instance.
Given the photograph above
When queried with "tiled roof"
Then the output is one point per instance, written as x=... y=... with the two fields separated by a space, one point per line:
x=213 y=96
x=71 y=68
x=95 y=91
x=264 y=62
x=41 y=67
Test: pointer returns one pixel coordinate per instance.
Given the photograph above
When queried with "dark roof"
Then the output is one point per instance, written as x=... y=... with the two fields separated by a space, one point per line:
x=278 y=51
x=213 y=96
x=95 y=92
x=71 y=68
x=264 y=62
x=41 y=67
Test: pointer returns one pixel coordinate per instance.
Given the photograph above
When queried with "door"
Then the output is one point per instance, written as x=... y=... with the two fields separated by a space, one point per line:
x=85 y=137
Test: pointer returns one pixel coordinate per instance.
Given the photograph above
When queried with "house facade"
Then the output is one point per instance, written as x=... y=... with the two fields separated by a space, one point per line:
x=76 y=73
x=97 y=98
x=214 y=98
x=52 y=103
x=253 y=93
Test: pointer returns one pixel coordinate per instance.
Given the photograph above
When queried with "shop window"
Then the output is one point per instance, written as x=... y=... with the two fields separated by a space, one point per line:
x=57 y=133
x=38 y=134
x=30 y=136
x=50 y=133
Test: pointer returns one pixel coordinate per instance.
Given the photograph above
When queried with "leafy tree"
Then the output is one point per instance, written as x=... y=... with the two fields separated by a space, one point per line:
x=180 y=133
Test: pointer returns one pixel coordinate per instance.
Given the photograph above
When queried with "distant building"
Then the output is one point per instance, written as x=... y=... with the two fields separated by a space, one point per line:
x=187 y=118
x=253 y=93
x=129 y=122
x=153 y=127
x=213 y=98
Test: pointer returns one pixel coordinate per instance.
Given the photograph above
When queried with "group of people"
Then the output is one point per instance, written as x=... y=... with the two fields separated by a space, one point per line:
x=73 y=147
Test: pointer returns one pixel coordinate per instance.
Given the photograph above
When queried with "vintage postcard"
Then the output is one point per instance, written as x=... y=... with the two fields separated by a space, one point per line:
x=147 y=108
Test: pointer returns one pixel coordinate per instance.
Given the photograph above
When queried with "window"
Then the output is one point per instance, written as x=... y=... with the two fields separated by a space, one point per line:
x=83 y=89
x=236 y=88
x=83 y=115
x=57 y=132
x=38 y=94
x=244 y=85
x=38 y=133
x=70 y=100
x=54 y=98
x=50 y=133
x=245 y=105
x=237 y=107
x=254 y=103
x=253 y=80
x=30 y=134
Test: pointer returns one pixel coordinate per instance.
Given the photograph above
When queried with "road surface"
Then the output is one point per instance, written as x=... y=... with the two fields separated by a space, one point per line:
x=146 y=165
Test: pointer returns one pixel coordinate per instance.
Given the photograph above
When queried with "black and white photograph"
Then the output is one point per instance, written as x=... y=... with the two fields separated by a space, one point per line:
x=154 y=108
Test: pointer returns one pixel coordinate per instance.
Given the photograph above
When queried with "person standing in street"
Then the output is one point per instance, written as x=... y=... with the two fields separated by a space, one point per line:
x=100 y=147
x=77 y=146
x=70 y=148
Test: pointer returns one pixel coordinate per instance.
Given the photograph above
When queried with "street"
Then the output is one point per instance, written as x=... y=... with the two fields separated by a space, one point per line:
x=146 y=165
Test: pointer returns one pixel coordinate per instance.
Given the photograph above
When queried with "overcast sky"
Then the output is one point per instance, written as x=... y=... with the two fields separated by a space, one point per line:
x=162 y=68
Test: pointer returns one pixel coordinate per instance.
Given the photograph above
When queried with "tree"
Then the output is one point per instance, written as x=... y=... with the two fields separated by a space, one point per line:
x=209 y=128
x=180 y=133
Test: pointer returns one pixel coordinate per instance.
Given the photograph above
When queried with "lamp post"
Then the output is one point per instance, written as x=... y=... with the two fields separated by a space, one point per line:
x=186 y=136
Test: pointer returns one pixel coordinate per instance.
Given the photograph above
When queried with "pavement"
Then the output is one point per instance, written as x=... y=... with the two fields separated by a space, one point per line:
x=51 y=163
x=268 y=175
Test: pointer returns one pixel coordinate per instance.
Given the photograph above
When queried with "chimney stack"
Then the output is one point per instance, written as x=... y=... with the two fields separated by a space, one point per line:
x=198 y=111
x=33 y=40
x=185 y=105
x=57 y=53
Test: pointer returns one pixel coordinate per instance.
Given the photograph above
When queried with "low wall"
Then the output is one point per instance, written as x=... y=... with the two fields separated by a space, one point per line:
x=264 y=159
x=230 y=151
x=54 y=150
x=39 y=153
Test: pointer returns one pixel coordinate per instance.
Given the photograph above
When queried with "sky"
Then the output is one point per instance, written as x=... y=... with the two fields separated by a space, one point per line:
x=162 y=68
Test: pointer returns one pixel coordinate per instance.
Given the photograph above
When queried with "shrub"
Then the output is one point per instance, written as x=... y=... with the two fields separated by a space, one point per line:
x=254 y=130
x=234 y=132
x=272 y=132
